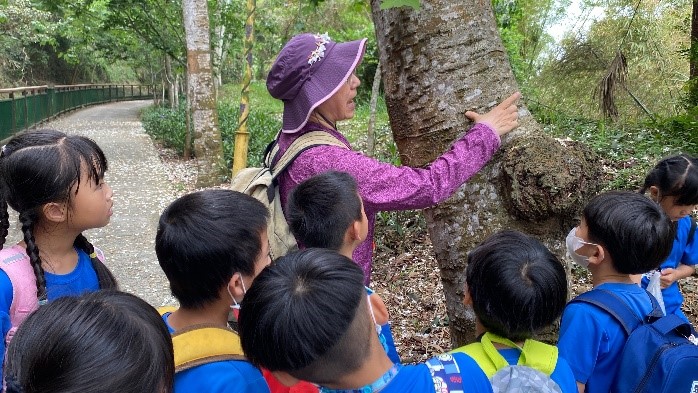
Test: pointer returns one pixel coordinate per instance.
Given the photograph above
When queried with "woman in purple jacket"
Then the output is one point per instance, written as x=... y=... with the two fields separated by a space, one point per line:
x=314 y=77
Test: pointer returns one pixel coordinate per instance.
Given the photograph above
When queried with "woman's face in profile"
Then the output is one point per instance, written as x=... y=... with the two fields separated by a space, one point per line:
x=341 y=105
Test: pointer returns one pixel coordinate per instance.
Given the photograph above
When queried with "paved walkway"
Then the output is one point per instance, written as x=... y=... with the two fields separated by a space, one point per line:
x=141 y=191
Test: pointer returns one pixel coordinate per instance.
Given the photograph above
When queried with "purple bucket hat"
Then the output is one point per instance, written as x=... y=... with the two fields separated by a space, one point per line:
x=308 y=71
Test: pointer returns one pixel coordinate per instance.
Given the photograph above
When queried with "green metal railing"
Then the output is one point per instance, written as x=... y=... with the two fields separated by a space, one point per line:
x=24 y=107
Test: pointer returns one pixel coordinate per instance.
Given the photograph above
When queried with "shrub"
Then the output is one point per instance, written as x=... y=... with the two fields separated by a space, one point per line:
x=168 y=126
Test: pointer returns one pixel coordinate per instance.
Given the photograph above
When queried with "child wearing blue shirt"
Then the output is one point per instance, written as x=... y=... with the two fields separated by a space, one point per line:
x=516 y=287
x=308 y=317
x=211 y=245
x=621 y=234
x=673 y=184
x=326 y=211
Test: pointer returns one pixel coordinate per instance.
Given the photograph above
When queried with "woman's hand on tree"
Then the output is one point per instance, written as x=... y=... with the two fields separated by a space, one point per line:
x=503 y=118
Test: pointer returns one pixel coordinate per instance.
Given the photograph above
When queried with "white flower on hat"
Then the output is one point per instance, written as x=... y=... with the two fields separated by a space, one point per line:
x=319 y=52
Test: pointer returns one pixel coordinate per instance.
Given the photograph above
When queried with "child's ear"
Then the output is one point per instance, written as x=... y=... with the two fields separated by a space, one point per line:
x=235 y=285
x=285 y=378
x=380 y=311
x=55 y=212
x=654 y=193
x=467 y=300
x=598 y=256
x=353 y=233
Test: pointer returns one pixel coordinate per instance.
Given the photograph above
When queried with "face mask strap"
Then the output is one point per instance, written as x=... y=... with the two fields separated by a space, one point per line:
x=373 y=316
x=236 y=305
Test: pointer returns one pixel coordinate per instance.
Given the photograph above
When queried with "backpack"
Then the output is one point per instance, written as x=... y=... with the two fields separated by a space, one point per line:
x=262 y=184
x=660 y=354
x=445 y=374
x=202 y=344
x=532 y=372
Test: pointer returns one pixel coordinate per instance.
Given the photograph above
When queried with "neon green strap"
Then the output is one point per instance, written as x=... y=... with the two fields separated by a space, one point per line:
x=534 y=354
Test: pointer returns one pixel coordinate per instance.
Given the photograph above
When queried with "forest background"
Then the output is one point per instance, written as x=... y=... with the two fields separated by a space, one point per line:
x=616 y=75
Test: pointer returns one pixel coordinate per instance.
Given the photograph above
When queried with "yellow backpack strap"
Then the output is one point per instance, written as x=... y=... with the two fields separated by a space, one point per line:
x=165 y=309
x=534 y=354
x=203 y=344
x=539 y=355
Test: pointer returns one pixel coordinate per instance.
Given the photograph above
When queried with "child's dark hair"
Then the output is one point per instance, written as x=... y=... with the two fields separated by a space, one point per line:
x=40 y=167
x=104 y=341
x=307 y=315
x=675 y=176
x=205 y=237
x=322 y=208
x=635 y=231
x=516 y=284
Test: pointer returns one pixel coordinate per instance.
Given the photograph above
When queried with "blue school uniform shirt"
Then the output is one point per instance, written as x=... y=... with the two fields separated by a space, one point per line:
x=81 y=280
x=562 y=375
x=417 y=378
x=681 y=253
x=591 y=340
x=227 y=376
x=386 y=337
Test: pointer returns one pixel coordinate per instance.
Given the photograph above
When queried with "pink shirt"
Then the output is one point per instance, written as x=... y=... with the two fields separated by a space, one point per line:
x=383 y=186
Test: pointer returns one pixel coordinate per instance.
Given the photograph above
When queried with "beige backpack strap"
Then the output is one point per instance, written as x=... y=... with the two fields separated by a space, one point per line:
x=204 y=344
x=302 y=143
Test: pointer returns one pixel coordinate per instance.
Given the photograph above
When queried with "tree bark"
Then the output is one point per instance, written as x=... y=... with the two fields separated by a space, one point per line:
x=201 y=93
x=693 y=75
x=438 y=62
x=371 y=134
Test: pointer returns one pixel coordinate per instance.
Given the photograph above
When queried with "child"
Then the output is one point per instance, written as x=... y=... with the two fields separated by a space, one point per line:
x=326 y=211
x=106 y=341
x=308 y=317
x=516 y=287
x=211 y=244
x=673 y=184
x=620 y=234
x=56 y=184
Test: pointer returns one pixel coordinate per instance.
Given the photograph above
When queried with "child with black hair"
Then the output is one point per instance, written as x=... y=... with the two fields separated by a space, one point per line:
x=326 y=211
x=621 y=234
x=516 y=287
x=673 y=184
x=56 y=184
x=104 y=341
x=211 y=245
x=307 y=317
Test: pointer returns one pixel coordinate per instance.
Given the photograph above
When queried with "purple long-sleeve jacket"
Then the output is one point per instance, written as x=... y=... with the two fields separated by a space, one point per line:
x=383 y=186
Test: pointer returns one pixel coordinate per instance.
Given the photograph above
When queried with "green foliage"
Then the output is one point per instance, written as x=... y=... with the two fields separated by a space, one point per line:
x=168 y=125
x=628 y=150
x=651 y=37
x=385 y=4
x=522 y=25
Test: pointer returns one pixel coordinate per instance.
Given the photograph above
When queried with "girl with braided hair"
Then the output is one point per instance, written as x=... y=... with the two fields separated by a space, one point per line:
x=56 y=184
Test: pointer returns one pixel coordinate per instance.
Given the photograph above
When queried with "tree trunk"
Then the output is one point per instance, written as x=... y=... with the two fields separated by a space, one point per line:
x=171 y=82
x=693 y=75
x=242 y=136
x=201 y=93
x=375 y=90
x=438 y=62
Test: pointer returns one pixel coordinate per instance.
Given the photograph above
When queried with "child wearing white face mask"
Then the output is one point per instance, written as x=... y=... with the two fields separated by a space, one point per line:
x=211 y=245
x=620 y=234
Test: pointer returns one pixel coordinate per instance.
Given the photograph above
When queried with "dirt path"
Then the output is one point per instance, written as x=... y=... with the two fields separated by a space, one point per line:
x=141 y=191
